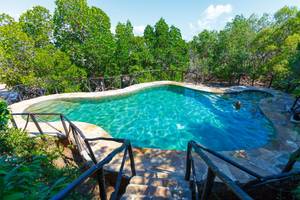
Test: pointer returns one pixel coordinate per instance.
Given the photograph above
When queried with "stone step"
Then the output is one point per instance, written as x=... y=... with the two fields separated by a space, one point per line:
x=145 y=197
x=148 y=190
x=157 y=185
x=151 y=174
x=141 y=197
x=170 y=192
x=164 y=182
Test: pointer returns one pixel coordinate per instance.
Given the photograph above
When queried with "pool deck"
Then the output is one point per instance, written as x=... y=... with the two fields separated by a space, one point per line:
x=266 y=160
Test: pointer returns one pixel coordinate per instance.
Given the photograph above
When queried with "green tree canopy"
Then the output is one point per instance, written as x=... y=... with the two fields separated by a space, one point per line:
x=37 y=24
x=85 y=37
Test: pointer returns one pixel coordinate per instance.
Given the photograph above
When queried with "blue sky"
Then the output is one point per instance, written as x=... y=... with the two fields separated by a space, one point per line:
x=191 y=16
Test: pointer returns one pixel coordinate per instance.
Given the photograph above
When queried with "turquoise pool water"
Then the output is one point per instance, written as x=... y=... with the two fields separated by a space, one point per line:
x=167 y=117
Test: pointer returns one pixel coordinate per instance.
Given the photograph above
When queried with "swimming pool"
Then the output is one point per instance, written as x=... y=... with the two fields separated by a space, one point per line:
x=167 y=117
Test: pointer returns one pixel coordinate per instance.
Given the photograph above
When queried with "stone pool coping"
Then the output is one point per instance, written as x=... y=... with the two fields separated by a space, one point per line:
x=266 y=160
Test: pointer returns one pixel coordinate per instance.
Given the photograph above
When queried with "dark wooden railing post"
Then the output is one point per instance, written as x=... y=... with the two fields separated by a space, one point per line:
x=91 y=152
x=132 y=165
x=100 y=173
x=293 y=159
x=82 y=143
x=295 y=103
x=75 y=138
x=36 y=123
x=271 y=81
x=64 y=125
x=103 y=85
x=13 y=121
x=121 y=81
x=188 y=162
x=208 y=184
x=89 y=85
x=212 y=173
x=101 y=183
x=114 y=195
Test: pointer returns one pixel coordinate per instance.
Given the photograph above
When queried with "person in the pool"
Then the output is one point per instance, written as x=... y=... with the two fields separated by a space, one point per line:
x=238 y=105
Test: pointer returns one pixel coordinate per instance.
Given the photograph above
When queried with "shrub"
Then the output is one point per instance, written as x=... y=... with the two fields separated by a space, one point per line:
x=27 y=169
x=16 y=142
x=4 y=114
x=34 y=179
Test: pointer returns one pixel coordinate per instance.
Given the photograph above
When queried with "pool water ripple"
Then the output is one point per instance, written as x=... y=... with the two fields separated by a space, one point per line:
x=167 y=117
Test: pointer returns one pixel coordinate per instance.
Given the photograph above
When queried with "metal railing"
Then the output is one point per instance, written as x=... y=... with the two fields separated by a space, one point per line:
x=37 y=119
x=73 y=133
x=125 y=80
x=214 y=172
x=98 y=170
x=95 y=84
x=295 y=107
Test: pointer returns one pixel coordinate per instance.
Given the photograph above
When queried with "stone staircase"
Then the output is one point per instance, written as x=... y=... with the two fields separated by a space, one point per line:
x=157 y=186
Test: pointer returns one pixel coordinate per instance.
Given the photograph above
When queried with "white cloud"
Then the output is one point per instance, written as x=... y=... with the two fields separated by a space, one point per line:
x=215 y=11
x=213 y=17
x=139 y=30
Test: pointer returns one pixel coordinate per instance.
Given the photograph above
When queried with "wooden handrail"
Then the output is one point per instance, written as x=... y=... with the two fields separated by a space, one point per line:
x=98 y=166
x=212 y=173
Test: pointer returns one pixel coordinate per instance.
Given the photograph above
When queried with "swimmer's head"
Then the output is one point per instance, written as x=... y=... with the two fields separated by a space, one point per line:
x=237 y=105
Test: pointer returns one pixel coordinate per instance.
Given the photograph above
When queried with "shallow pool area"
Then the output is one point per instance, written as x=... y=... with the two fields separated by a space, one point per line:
x=167 y=117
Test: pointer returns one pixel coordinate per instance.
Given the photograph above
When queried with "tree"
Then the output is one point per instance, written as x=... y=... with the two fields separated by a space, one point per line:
x=283 y=42
x=17 y=52
x=168 y=49
x=227 y=52
x=149 y=36
x=5 y=19
x=141 y=58
x=28 y=57
x=285 y=14
x=203 y=52
x=132 y=54
x=161 y=44
x=37 y=24
x=55 y=72
x=124 y=46
x=44 y=51
x=85 y=37
x=178 y=53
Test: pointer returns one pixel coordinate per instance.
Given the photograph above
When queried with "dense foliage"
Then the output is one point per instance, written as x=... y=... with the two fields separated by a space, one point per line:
x=35 y=179
x=27 y=169
x=56 y=52
x=4 y=114
x=257 y=48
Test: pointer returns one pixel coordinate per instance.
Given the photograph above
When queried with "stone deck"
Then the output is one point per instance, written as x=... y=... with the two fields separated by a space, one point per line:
x=266 y=160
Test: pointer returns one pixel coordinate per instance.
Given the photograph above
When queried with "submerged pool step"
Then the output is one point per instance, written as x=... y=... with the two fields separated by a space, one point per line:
x=141 y=187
